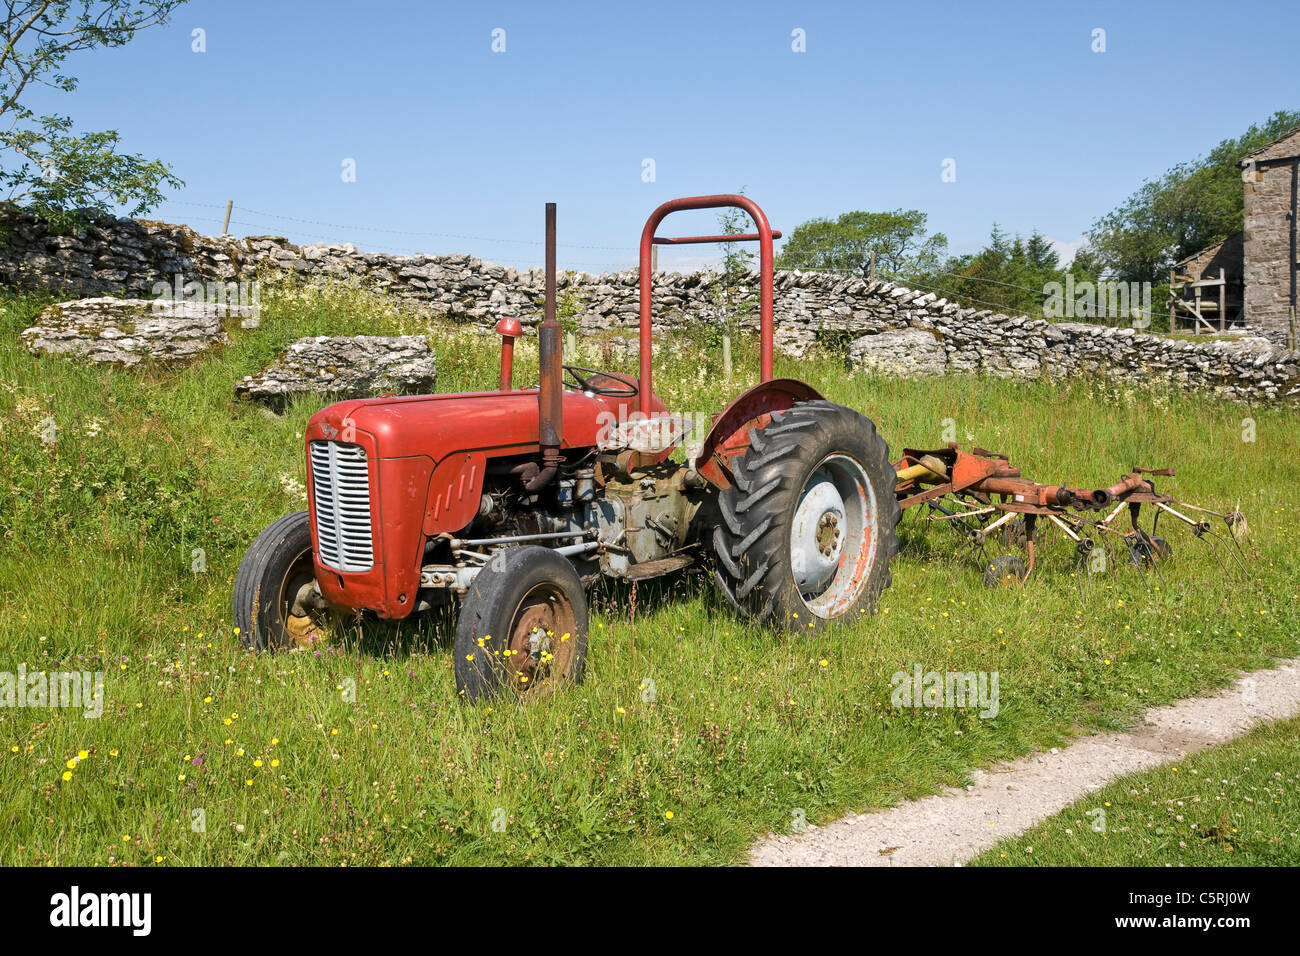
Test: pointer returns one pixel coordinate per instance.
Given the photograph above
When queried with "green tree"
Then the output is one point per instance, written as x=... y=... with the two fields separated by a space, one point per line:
x=44 y=163
x=901 y=246
x=1009 y=274
x=729 y=293
x=1182 y=212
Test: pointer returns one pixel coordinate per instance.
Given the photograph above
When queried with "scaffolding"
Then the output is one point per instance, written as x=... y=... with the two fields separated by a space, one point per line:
x=1205 y=297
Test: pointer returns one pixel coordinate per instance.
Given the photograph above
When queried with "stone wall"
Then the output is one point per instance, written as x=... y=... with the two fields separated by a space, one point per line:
x=123 y=257
x=1247 y=369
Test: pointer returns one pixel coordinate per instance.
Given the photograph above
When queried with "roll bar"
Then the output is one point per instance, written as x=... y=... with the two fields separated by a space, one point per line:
x=764 y=236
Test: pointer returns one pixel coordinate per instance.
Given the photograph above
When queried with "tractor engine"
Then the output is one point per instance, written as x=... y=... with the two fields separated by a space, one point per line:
x=606 y=522
x=399 y=484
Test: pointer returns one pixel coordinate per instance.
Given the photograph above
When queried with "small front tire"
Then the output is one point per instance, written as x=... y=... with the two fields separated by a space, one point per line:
x=1005 y=571
x=1150 y=551
x=523 y=626
x=273 y=586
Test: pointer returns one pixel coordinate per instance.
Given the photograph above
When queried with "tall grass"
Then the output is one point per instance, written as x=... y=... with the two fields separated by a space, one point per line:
x=742 y=730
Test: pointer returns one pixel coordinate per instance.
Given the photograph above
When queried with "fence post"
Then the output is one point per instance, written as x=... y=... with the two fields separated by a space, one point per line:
x=1223 y=299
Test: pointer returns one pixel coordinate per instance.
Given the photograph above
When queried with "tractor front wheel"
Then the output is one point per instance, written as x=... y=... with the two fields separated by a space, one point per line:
x=273 y=603
x=808 y=525
x=523 y=626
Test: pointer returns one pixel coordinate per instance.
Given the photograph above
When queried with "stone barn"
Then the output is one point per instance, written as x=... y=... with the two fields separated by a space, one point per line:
x=1272 y=178
x=1249 y=277
x=1208 y=287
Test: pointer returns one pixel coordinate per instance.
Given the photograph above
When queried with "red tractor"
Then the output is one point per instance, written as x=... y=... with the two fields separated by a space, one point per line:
x=511 y=501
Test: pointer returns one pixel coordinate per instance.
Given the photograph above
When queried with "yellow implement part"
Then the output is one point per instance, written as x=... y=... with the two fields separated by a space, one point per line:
x=913 y=471
x=929 y=468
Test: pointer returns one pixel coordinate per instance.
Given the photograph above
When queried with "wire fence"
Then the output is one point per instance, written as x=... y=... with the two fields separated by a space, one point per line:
x=260 y=220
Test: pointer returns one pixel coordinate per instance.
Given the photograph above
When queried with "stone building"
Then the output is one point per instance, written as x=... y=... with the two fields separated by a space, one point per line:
x=1208 y=287
x=1269 y=237
x=1248 y=278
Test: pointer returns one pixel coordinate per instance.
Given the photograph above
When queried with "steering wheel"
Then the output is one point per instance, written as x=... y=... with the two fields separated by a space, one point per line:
x=582 y=377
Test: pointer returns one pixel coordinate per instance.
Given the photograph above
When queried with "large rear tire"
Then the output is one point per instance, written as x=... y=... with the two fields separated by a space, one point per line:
x=808 y=525
x=522 y=627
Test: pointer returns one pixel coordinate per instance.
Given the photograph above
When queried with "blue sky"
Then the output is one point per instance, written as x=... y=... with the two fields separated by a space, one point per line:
x=457 y=148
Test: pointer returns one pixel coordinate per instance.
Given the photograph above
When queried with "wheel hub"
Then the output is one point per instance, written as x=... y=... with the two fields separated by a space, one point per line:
x=828 y=533
x=816 y=536
x=301 y=605
x=541 y=645
x=538 y=644
x=831 y=535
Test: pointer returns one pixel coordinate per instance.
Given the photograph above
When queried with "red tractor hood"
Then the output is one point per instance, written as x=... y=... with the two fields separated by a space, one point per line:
x=424 y=462
x=434 y=426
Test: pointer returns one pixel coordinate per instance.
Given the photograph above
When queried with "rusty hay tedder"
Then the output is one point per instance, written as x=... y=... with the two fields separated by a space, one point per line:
x=510 y=502
x=977 y=493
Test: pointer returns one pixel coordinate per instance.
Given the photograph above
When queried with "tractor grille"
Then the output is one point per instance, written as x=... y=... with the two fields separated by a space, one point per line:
x=341 y=488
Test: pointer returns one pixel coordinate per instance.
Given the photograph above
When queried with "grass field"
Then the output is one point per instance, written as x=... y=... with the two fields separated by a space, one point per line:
x=1233 y=805
x=748 y=731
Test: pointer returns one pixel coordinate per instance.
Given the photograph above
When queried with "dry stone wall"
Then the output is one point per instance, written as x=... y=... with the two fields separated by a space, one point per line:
x=132 y=257
x=126 y=331
x=357 y=366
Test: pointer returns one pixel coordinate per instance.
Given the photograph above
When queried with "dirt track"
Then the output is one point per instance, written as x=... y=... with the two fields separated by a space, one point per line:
x=956 y=825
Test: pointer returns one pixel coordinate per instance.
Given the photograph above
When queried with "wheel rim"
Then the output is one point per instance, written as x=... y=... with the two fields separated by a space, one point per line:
x=301 y=625
x=832 y=536
x=543 y=641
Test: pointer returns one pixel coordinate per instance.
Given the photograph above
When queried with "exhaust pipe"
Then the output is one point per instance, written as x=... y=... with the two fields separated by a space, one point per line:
x=550 y=393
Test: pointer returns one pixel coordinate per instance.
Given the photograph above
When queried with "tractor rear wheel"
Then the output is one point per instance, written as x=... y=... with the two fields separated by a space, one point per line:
x=272 y=603
x=523 y=626
x=808 y=525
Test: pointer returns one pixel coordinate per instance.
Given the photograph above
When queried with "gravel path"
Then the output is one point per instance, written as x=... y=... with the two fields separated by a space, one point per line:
x=958 y=824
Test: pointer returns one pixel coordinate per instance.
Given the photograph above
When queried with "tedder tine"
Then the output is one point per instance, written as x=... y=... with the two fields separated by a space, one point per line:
x=1083 y=548
x=1083 y=565
x=1223 y=565
x=1202 y=528
x=1137 y=556
x=959 y=522
x=1235 y=521
x=1031 y=523
x=1155 y=559
x=1228 y=547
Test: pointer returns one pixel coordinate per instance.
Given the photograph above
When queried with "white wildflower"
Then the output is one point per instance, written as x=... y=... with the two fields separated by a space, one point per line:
x=292 y=486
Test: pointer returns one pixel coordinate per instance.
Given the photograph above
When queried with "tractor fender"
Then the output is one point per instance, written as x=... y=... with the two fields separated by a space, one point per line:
x=729 y=435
